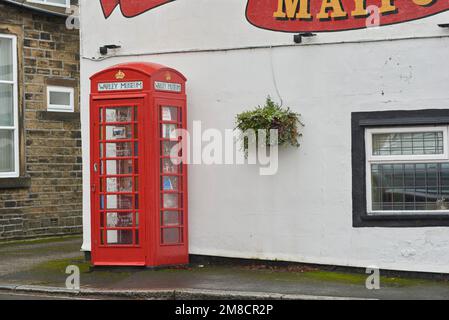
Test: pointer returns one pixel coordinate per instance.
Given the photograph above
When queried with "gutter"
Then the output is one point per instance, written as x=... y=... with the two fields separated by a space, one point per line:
x=30 y=7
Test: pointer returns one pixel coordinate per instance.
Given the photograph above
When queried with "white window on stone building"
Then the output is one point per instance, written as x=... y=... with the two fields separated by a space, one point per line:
x=57 y=3
x=9 y=122
x=60 y=99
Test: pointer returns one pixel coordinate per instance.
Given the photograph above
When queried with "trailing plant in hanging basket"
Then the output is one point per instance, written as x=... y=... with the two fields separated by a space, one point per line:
x=268 y=117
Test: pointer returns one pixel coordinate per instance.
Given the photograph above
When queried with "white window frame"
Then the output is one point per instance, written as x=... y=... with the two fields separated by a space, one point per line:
x=374 y=159
x=15 y=127
x=61 y=108
x=47 y=3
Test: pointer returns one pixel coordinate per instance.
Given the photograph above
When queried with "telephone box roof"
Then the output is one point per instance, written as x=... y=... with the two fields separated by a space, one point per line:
x=147 y=68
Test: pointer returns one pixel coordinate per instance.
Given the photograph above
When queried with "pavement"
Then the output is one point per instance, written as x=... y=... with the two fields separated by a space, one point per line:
x=37 y=269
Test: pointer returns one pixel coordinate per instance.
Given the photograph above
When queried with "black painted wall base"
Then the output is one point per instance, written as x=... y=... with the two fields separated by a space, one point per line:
x=212 y=260
x=88 y=256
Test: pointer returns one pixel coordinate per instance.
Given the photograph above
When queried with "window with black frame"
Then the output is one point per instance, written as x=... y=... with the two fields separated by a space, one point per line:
x=400 y=163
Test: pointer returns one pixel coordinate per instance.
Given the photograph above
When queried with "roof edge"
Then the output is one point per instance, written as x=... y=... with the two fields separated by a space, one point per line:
x=34 y=8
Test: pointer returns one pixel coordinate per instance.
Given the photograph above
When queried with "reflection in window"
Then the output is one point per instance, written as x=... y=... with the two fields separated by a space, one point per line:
x=170 y=114
x=114 y=167
x=171 y=200
x=120 y=237
x=9 y=133
x=120 y=149
x=119 y=114
x=121 y=201
x=171 y=218
x=119 y=184
x=408 y=143
x=411 y=187
x=171 y=236
x=119 y=219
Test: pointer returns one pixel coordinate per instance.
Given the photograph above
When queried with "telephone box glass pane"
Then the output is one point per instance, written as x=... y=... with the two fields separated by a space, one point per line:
x=120 y=201
x=169 y=114
x=171 y=236
x=119 y=132
x=119 y=219
x=170 y=148
x=119 y=114
x=170 y=183
x=171 y=200
x=120 y=149
x=120 y=237
x=102 y=220
x=136 y=204
x=168 y=166
x=171 y=218
x=169 y=131
x=114 y=167
x=119 y=184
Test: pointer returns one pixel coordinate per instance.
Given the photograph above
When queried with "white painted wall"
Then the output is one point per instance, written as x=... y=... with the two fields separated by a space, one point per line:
x=304 y=213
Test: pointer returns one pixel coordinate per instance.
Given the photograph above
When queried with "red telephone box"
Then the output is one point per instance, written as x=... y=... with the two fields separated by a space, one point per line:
x=139 y=186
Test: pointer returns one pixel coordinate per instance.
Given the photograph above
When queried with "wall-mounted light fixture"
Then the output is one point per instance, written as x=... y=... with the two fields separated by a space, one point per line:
x=104 y=49
x=297 y=38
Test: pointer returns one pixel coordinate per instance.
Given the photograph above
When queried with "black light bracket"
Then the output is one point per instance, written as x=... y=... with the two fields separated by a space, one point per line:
x=444 y=25
x=104 y=49
x=297 y=38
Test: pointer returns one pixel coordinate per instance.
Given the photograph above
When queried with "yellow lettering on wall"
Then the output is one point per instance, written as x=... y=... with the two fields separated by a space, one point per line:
x=290 y=9
x=423 y=2
x=280 y=12
x=387 y=6
x=335 y=7
x=304 y=12
x=360 y=9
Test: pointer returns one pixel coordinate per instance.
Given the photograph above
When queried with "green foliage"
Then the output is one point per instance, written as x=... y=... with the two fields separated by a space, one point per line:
x=267 y=117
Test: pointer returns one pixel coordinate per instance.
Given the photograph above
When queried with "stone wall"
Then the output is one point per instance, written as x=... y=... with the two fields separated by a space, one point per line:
x=47 y=198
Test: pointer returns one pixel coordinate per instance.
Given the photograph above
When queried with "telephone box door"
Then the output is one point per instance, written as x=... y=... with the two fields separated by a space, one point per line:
x=117 y=171
x=172 y=239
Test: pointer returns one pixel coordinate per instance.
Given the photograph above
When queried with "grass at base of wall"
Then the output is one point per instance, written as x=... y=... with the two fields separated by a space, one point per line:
x=356 y=278
x=41 y=240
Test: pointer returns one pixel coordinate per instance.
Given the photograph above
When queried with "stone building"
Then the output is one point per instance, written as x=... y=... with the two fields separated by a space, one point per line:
x=40 y=138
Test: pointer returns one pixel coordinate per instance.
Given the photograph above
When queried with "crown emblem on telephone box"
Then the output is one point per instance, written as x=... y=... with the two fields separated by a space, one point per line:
x=168 y=76
x=120 y=75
